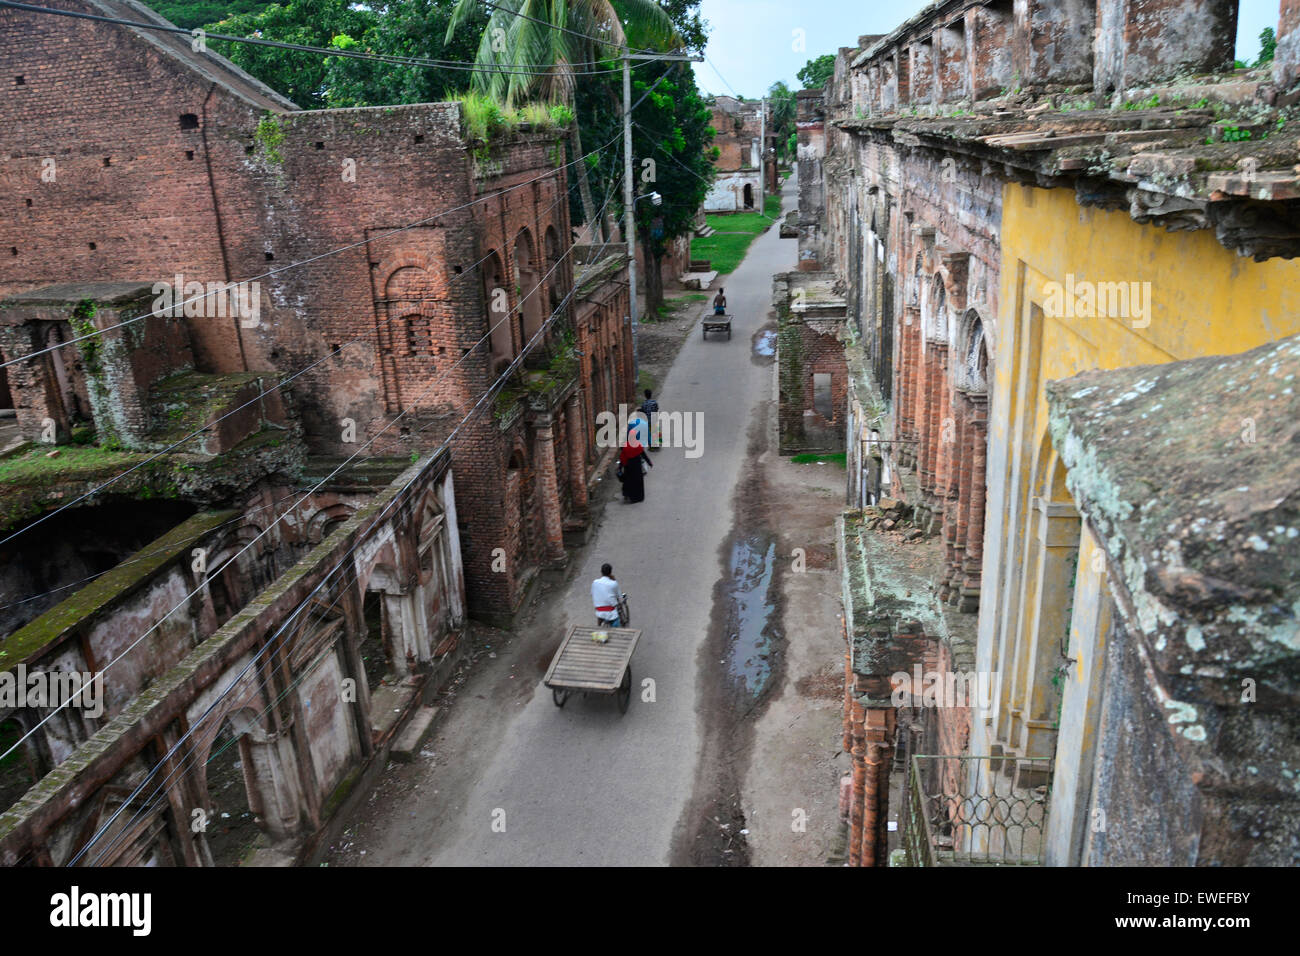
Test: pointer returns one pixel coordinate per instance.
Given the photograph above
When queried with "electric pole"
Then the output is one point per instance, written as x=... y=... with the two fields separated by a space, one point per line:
x=629 y=190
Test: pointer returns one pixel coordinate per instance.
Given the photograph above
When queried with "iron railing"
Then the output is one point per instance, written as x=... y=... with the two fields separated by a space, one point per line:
x=976 y=811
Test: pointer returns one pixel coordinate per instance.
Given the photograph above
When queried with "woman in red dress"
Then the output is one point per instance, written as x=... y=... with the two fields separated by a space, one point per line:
x=633 y=463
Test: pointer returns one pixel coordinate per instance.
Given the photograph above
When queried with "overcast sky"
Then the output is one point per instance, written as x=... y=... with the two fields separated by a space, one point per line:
x=754 y=43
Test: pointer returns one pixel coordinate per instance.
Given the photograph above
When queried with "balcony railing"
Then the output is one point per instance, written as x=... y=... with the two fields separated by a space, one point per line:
x=976 y=811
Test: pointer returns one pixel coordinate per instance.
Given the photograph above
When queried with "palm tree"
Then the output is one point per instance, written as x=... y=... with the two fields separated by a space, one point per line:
x=537 y=49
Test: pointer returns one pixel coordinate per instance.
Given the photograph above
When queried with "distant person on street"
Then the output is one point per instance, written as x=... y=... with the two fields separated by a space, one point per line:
x=605 y=596
x=633 y=463
x=720 y=303
x=650 y=408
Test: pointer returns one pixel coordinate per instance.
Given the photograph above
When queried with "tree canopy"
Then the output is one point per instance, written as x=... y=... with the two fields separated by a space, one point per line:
x=814 y=74
x=409 y=28
x=781 y=101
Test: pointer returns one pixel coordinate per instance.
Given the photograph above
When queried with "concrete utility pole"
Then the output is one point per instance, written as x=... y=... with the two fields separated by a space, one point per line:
x=762 y=148
x=629 y=189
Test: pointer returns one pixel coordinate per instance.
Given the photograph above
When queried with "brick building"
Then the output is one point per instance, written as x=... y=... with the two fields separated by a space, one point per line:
x=994 y=183
x=218 y=179
x=738 y=183
x=240 y=334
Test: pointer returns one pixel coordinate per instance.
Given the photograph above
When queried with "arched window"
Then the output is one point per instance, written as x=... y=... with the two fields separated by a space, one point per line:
x=530 y=305
x=975 y=356
x=554 y=272
x=497 y=299
x=937 y=326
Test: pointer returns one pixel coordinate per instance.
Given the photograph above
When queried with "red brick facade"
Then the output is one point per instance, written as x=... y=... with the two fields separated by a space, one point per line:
x=130 y=158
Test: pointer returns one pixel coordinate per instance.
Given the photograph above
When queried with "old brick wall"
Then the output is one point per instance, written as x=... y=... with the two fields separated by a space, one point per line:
x=736 y=132
x=414 y=234
x=99 y=179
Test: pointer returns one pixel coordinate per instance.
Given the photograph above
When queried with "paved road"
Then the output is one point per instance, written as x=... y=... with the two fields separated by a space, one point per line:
x=583 y=785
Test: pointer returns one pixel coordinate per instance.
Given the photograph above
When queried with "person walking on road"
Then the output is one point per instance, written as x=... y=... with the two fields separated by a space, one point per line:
x=720 y=303
x=605 y=596
x=633 y=463
x=650 y=408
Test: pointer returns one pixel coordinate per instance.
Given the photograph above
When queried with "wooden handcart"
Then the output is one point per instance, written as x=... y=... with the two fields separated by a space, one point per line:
x=715 y=323
x=586 y=666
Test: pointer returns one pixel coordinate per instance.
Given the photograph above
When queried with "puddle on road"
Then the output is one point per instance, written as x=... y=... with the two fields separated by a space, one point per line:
x=749 y=631
x=765 y=344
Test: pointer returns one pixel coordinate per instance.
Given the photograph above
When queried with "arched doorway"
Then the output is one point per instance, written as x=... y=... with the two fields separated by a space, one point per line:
x=749 y=196
x=233 y=810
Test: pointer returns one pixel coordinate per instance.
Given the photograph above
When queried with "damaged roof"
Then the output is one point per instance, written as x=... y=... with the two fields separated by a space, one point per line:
x=1185 y=472
x=1213 y=152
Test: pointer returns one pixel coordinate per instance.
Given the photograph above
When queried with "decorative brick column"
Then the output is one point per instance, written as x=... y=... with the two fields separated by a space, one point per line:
x=577 y=454
x=859 y=753
x=548 y=490
x=973 y=554
x=878 y=758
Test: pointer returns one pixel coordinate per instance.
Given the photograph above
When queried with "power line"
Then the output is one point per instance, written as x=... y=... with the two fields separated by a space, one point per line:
x=537 y=336
x=311 y=491
x=251 y=511
x=258 y=398
x=521 y=69
x=295 y=265
x=723 y=79
x=606 y=41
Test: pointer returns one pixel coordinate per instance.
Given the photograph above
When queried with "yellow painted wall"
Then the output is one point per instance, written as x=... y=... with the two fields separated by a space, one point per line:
x=1204 y=300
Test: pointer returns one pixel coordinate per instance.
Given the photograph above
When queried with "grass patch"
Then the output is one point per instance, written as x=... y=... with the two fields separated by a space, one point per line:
x=808 y=458
x=72 y=463
x=486 y=119
x=735 y=231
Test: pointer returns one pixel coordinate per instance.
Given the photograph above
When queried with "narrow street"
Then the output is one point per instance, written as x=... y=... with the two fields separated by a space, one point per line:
x=509 y=778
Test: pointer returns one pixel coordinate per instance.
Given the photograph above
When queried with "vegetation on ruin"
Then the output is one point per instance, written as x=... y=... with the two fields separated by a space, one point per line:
x=487 y=120
x=1147 y=104
x=269 y=138
x=671 y=119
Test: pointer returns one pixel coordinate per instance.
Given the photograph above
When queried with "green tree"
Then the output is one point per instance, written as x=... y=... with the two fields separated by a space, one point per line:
x=1267 y=46
x=814 y=74
x=672 y=132
x=408 y=28
x=673 y=129
x=781 y=101
x=558 y=41
x=196 y=13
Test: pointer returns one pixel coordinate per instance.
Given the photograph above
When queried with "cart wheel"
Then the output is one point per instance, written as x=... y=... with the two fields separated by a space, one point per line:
x=728 y=333
x=624 y=692
x=559 y=696
x=704 y=333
